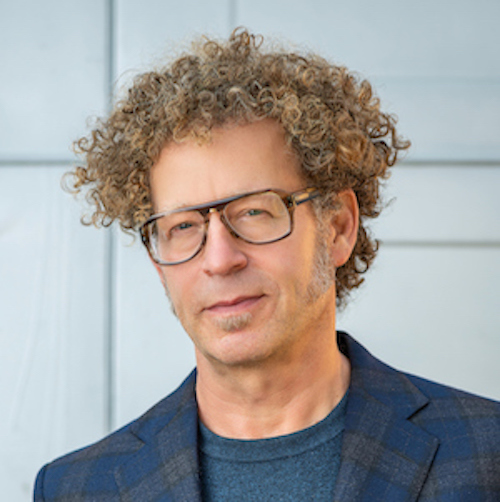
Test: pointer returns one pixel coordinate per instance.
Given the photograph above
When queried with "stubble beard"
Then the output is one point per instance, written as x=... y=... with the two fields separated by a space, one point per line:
x=323 y=272
x=233 y=323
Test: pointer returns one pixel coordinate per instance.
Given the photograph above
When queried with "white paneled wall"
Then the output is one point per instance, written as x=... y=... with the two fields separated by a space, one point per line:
x=147 y=31
x=53 y=67
x=441 y=204
x=153 y=353
x=435 y=63
x=429 y=38
x=433 y=311
x=87 y=338
x=447 y=119
x=52 y=332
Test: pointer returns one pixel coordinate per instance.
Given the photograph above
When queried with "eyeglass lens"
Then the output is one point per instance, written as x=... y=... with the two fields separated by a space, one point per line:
x=256 y=218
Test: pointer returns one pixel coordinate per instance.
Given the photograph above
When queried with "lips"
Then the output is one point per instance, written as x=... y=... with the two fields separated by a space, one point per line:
x=234 y=305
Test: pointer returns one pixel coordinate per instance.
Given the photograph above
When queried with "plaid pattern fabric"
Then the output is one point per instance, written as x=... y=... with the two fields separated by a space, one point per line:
x=405 y=439
x=409 y=439
x=152 y=459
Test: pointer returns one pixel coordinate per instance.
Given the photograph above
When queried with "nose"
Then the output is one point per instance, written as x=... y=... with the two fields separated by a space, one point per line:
x=222 y=253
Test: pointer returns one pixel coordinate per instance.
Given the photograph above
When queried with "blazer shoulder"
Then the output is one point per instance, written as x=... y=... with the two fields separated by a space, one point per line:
x=444 y=396
x=467 y=425
x=467 y=463
x=88 y=471
x=93 y=467
x=464 y=463
x=410 y=394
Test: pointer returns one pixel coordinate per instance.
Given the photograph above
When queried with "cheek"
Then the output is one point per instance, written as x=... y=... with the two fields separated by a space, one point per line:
x=175 y=289
x=292 y=264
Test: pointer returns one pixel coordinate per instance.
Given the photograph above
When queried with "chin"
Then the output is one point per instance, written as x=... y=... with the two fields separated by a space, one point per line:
x=242 y=348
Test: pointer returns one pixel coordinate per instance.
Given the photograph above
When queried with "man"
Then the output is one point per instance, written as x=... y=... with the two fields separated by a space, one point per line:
x=251 y=176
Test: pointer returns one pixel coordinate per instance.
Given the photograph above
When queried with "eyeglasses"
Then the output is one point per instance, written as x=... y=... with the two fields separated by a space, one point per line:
x=261 y=217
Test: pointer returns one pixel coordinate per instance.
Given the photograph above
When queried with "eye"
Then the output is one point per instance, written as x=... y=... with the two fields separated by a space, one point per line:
x=255 y=212
x=181 y=228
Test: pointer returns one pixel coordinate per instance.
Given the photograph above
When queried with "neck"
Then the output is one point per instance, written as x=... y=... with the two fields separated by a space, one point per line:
x=275 y=399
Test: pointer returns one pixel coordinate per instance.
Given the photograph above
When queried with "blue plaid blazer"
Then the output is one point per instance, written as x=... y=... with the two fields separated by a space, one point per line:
x=405 y=439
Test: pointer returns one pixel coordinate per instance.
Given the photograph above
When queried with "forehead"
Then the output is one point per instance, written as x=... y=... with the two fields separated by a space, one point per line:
x=238 y=159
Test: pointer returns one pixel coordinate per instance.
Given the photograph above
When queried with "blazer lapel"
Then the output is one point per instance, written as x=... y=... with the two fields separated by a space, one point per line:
x=165 y=468
x=384 y=455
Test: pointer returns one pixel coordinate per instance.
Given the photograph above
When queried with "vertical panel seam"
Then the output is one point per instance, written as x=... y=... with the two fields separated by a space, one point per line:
x=110 y=304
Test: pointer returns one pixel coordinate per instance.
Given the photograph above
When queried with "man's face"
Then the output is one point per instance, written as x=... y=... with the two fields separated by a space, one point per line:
x=243 y=303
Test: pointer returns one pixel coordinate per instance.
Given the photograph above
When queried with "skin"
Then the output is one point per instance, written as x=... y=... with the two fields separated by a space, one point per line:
x=262 y=325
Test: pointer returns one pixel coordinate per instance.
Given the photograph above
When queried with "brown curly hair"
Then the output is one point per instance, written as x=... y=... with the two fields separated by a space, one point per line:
x=330 y=117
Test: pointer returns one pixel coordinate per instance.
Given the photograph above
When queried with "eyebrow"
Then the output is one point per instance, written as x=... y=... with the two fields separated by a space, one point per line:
x=217 y=202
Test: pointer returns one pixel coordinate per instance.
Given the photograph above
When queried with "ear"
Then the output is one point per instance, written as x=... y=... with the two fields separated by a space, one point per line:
x=345 y=223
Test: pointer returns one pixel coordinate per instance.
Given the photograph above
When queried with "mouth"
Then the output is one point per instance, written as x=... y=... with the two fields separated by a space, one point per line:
x=234 y=306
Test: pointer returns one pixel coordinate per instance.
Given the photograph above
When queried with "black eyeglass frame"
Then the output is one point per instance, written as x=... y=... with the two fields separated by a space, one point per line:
x=291 y=201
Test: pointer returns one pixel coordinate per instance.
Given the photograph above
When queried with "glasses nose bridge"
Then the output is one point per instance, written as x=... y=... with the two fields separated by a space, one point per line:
x=218 y=208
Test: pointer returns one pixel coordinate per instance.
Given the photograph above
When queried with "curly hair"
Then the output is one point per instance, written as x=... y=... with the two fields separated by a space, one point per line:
x=331 y=119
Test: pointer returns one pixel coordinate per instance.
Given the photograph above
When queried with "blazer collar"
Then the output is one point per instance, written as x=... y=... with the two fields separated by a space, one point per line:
x=165 y=466
x=384 y=455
